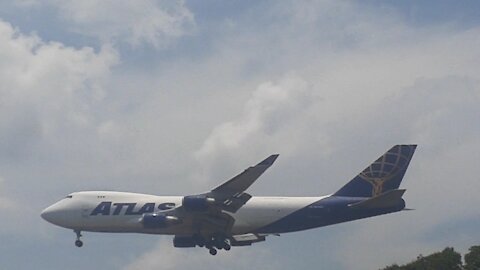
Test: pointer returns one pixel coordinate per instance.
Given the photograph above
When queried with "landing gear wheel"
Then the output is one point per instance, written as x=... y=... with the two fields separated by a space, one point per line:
x=213 y=251
x=78 y=242
x=227 y=247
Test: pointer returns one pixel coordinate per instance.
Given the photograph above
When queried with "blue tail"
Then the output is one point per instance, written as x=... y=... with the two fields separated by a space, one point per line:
x=383 y=175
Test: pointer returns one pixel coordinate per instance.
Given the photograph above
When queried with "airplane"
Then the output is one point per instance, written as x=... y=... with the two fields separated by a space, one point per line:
x=227 y=216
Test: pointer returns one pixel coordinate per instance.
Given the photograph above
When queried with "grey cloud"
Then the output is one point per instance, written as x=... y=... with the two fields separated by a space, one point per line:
x=5 y=202
x=175 y=258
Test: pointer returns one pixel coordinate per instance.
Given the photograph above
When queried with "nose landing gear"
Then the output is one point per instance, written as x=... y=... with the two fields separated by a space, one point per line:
x=78 y=242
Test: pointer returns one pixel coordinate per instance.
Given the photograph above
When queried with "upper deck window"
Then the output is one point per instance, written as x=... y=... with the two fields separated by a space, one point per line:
x=69 y=196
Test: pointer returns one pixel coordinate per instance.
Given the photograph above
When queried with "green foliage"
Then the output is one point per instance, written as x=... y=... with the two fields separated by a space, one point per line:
x=392 y=267
x=472 y=258
x=448 y=259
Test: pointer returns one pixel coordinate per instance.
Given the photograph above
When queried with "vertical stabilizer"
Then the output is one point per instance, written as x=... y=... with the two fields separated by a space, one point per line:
x=383 y=175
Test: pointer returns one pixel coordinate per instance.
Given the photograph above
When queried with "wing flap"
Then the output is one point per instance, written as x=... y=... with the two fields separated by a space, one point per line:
x=235 y=202
x=246 y=239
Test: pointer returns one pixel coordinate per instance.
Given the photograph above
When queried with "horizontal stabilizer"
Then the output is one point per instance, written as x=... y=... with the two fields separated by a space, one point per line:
x=388 y=199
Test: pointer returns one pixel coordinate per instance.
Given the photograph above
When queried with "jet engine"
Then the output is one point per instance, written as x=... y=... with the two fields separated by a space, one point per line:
x=159 y=221
x=184 y=241
x=197 y=203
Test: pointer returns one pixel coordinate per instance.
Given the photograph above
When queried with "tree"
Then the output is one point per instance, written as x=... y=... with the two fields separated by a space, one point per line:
x=472 y=258
x=393 y=267
x=448 y=259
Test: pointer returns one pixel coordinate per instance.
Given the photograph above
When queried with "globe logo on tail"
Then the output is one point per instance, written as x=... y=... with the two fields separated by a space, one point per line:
x=385 y=168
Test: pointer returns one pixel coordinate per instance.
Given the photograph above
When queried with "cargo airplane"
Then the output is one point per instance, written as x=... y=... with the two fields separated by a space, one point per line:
x=227 y=216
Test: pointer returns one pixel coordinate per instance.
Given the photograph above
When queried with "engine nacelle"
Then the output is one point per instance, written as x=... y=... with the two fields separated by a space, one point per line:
x=184 y=241
x=197 y=203
x=159 y=221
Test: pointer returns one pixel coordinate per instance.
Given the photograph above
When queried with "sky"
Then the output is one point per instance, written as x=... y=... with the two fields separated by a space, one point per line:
x=175 y=97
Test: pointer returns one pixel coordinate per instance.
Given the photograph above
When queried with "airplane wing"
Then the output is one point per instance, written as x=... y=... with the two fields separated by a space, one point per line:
x=231 y=196
x=207 y=211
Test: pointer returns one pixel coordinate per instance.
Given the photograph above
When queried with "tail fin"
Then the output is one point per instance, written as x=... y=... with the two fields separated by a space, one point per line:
x=383 y=175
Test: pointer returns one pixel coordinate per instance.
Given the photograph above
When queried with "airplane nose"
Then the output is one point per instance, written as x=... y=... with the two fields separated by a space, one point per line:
x=48 y=214
x=56 y=213
x=62 y=214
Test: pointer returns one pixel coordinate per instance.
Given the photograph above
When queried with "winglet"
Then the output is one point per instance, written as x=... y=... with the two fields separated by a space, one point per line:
x=241 y=182
x=269 y=161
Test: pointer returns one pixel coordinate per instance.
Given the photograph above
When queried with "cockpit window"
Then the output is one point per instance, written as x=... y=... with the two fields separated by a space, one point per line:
x=69 y=196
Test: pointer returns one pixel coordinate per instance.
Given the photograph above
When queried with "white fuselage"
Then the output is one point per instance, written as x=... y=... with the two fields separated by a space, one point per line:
x=107 y=211
x=227 y=216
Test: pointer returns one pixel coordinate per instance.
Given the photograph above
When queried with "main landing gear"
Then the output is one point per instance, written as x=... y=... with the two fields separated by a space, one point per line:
x=212 y=251
x=78 y=242
x=217 y=242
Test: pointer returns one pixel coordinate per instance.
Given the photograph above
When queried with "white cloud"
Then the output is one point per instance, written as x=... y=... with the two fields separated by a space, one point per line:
x=281 y=116
x=46 y=88
x=47 y=94
x=271 y=108
x=150 y=22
